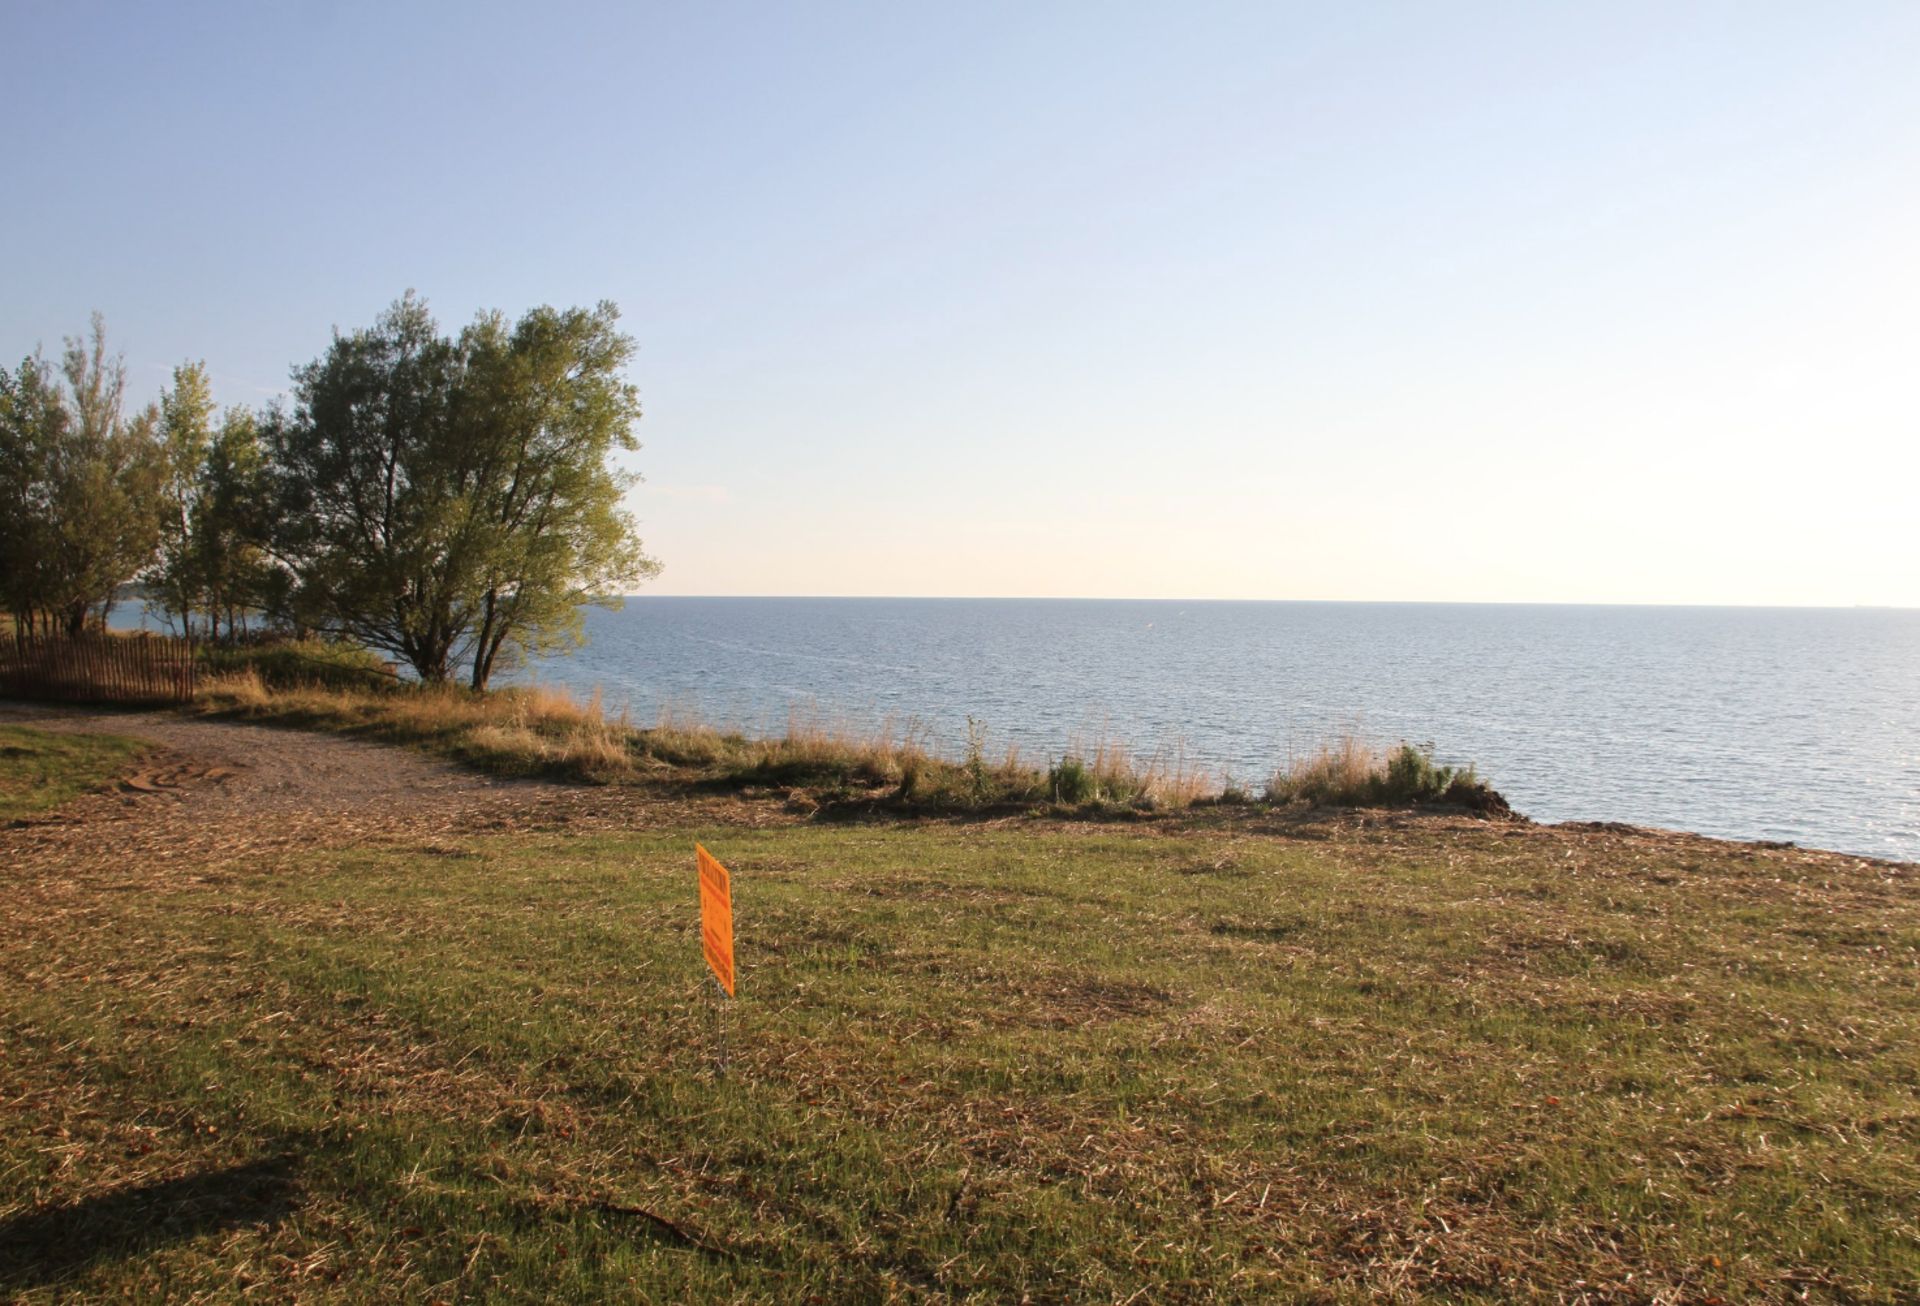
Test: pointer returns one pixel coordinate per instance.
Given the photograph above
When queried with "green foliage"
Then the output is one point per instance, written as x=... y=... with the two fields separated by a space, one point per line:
x=32 y=426
x=544 y=408
x=1071 y=782
x=979 y=783
x=1412 y=777
x=434 y=497
x=232 y=525
x=186 y=434
x=373 y=492
x=441 y=497
x=936 y=784
x=1348 y=774
x=80 y=486
x=212 y=568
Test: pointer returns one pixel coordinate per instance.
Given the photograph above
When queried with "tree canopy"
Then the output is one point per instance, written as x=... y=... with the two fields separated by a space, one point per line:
x=453 y=500
x=446 y=498
x=80 y=486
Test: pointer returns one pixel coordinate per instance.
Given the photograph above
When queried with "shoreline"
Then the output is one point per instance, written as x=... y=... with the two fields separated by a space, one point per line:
x=1252 y=816
x=1763 y=748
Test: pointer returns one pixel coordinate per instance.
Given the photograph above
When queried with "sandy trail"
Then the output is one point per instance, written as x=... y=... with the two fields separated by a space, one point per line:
x=217 y=790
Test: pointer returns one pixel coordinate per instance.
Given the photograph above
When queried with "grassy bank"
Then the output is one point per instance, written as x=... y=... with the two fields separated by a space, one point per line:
x=894 y=765
x=1233 y=1058
x=39 y=770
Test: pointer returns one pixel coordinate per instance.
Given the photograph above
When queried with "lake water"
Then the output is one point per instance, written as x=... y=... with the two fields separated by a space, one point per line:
x=1792 y=724
x=1798 y=724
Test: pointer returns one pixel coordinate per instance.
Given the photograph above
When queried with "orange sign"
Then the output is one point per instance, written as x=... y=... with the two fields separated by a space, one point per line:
x=716 y=917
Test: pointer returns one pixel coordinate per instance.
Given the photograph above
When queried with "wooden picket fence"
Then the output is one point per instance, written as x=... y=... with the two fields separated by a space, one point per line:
x=97 y=668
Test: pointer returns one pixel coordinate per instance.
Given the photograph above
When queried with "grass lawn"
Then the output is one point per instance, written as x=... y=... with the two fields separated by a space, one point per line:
x=39 y=770
x=1031 y=1060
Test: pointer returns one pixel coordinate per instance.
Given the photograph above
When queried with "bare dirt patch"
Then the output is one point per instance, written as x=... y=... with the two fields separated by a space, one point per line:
x=218 y=791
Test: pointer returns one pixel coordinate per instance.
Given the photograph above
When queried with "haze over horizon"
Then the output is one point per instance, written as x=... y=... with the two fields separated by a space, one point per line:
x=1182 y=598
x=1494 y=304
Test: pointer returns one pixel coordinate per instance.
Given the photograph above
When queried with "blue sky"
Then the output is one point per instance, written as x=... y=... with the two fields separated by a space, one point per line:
x=1609 y=303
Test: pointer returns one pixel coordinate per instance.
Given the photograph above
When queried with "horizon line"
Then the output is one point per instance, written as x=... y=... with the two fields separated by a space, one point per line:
x=1433 y=603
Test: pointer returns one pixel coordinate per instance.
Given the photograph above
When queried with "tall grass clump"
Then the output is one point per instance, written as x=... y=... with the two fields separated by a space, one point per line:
x=1106 y=773
x=679 y=738
x=834 y=759
x=1070 y=781
x=977 y=779
x=1349 y=773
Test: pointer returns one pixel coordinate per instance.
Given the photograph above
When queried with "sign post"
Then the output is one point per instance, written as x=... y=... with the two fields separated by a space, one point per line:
x=716 y=933
x=716 y=917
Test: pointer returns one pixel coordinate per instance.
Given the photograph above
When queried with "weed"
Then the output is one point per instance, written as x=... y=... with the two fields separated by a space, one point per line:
x=1350 y=773
x=1071 y=782
x=976 y=764
x=1412 y=777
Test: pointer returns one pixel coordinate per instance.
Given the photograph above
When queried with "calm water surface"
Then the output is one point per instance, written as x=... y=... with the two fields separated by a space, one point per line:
x=1749 y=723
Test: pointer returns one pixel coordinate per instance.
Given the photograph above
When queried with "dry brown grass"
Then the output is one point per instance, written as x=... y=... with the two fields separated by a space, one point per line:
x=519 y=730
x=546 y=730
x=885 y=749
x=1166 y=777
x=1336 y=769
x=1350 y=773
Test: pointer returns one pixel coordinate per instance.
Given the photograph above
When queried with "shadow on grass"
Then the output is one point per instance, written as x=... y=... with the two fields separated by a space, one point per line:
x=43 y=1246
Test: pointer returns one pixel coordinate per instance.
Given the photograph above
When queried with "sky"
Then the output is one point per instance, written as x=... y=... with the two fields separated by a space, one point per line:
x=1609 y=303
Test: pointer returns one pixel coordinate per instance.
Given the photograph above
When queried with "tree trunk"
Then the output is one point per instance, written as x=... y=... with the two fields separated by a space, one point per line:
x=485 y=646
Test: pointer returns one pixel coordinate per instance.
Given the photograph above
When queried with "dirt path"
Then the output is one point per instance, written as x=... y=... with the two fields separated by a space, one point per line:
x=216 y=790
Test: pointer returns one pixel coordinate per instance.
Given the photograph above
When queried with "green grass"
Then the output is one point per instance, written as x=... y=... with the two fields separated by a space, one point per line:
x=40 y=770
x=1344 y=1062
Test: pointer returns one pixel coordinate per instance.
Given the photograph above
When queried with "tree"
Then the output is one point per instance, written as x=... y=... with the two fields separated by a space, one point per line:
x=544 y=407
x=443 y=497
x=186 y=434
x=211 y=569
x=232 y=525
x=32 y=428
x=82 y=486
x=373 y=494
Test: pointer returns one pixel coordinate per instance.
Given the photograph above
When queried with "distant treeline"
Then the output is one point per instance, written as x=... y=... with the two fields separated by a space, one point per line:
x=447 y=499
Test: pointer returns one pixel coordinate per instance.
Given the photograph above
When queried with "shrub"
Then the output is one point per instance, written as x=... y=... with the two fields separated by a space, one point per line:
x=1071 y=782
x=1412 y=777
x=1348 y=773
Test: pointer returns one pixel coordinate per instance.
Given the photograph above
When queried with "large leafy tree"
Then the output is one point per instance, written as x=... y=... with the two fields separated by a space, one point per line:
x=545 y=407
x=440 y=497
x=81 y=486
x=373 y=491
